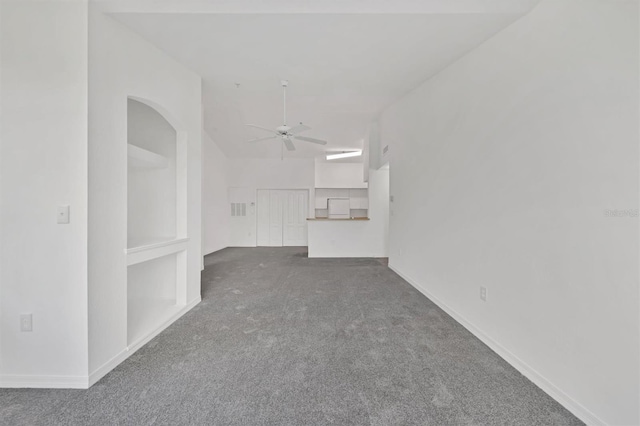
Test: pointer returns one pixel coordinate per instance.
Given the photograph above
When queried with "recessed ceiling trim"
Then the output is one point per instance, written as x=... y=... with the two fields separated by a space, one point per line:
x=314 y=6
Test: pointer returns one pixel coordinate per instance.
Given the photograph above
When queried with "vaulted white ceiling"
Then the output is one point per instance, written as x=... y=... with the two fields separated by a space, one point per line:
x=343 y=68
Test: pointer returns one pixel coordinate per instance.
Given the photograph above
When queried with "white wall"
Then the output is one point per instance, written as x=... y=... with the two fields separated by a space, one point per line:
x=356 y=238
x=339 y=175
x=44 y=164
x=123 y=64
x=215 y=203
x=290 y=173
x=373 y=150
x=246 y=176
x=502 y=167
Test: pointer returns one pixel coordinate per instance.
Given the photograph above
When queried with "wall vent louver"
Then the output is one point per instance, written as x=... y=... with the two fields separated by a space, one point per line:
x=238 y=209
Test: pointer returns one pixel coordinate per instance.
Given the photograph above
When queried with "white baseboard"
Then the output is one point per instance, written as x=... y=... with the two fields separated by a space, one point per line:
x=351 y=256
x=205 y=255
x=216 y=250
x=134 y=346
x=529 y=372
x=84 y=382
x=50 y=382
x=105 y=368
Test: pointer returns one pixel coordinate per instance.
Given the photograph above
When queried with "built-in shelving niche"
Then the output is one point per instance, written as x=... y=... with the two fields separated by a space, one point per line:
x=156 y=249
x=152 y=294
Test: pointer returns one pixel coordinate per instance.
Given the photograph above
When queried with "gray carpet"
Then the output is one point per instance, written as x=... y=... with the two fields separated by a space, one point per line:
x=283 y=339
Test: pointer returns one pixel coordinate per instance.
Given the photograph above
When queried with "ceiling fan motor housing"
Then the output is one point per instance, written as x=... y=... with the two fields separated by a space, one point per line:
x=283 y=129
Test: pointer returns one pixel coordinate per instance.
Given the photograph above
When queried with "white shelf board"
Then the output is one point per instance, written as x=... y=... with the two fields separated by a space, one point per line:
x=145 y=315
x=143 y=159
x=144 y=249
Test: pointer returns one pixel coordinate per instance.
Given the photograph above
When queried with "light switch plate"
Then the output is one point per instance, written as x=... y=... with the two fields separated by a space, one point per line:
x=26 y=322
x=483 y=294
x=63 y=214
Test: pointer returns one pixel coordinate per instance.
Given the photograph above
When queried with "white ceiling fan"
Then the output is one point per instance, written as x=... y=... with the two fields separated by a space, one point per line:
x=285 y=132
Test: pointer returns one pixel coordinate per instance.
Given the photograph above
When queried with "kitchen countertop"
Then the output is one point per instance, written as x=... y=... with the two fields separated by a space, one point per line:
x=327 y=219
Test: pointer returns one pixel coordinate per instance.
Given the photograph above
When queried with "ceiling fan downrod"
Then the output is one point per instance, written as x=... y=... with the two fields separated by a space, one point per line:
x=285 y=83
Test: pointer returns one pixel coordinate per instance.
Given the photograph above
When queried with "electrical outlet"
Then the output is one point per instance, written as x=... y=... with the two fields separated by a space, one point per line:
x=483 y=294
x=26 y=322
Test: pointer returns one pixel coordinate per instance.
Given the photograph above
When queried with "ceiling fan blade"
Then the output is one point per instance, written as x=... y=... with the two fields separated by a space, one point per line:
x=312 y=140
x=288 y=144
x=262 y=139
x=298 y=129
x=262 y=128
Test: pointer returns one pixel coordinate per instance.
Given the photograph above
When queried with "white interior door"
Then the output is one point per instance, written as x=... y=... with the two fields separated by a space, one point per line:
x=281 y=217
x=275 y=218
x=295 y=218
x=262 y=217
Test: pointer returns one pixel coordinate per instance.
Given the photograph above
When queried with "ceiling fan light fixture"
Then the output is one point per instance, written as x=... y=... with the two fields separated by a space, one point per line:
x=345 y=154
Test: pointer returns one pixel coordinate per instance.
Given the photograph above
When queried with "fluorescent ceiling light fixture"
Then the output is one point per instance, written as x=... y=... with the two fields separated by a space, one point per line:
x=345 y=155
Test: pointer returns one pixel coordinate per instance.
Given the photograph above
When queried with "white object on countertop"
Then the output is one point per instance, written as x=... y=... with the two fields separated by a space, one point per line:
x=339 y=208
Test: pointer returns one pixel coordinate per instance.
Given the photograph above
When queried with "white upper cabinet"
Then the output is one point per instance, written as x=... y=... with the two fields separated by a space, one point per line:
x=340 y=175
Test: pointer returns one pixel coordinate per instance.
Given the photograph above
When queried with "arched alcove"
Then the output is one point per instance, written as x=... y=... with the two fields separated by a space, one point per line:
x=156 y=237
x=151 y=183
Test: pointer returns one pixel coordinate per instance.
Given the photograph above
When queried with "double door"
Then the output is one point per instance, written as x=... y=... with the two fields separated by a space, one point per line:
x=282 y=217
